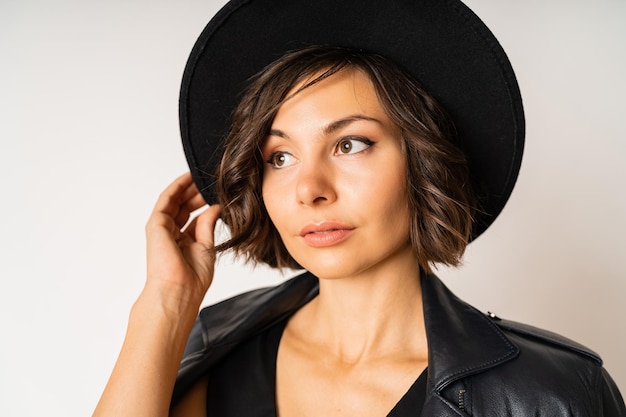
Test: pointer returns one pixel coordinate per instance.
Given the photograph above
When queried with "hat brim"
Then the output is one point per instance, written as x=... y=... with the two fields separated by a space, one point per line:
x=441 y=43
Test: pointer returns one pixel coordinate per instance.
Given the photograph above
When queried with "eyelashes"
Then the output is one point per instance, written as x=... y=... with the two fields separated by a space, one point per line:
x=348 y=145
x=352 y=145
x=281 y=159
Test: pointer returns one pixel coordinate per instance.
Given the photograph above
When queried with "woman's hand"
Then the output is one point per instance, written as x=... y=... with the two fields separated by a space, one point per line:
x=180 y=270
x=180 y=262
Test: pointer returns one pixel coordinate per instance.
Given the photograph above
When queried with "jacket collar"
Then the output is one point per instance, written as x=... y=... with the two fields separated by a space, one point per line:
x=461 y=340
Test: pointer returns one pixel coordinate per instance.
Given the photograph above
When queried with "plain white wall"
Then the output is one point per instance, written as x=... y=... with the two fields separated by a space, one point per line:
x=89 y=137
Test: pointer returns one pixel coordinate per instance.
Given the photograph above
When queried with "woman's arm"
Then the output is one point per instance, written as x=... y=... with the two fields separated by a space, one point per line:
x=179 y=272
x=193 y=403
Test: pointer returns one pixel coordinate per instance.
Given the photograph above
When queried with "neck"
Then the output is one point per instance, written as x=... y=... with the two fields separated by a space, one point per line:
x=367 y=315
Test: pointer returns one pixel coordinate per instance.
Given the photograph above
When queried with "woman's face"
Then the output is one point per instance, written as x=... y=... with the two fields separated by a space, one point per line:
x=334 y=183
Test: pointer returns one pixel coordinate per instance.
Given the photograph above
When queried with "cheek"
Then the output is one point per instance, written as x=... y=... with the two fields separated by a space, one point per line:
x=385 y=188
x=390 y=198
x=267 y=201
x=273 y=202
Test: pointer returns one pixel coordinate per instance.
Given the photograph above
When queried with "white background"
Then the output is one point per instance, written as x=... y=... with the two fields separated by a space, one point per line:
x=89 y=137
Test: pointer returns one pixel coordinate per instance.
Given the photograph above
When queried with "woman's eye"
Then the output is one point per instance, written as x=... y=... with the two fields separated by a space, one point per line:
x=353 y=145
x=281 y=159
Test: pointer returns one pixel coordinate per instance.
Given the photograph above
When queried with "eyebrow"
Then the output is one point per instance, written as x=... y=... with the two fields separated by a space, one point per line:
x=333 y=126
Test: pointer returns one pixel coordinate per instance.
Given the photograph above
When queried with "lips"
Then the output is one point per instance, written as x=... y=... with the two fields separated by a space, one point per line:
x=325 y=234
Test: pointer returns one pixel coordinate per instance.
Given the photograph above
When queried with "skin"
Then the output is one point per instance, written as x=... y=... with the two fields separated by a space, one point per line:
x=320 y=180
x=334 y=158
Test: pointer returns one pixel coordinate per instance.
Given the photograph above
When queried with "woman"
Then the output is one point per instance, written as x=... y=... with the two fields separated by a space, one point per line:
x=338 y=162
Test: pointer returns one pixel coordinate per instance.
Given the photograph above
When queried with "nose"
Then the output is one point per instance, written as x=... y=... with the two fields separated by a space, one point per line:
x=315 y=185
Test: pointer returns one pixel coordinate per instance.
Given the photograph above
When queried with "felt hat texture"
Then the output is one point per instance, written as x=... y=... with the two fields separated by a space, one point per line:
x=442 y=44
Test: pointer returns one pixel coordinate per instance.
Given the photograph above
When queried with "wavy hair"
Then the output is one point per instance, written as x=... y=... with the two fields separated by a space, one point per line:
x=440 y=194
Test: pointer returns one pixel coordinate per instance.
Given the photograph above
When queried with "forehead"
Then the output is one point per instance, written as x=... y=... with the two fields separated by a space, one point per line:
x=327 y=77
x=348 y=90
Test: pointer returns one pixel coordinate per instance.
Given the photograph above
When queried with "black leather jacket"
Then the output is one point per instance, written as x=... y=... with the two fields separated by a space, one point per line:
x=478 y=365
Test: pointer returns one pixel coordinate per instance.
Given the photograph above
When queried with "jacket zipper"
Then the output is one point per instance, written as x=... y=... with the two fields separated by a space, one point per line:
x=462 y=400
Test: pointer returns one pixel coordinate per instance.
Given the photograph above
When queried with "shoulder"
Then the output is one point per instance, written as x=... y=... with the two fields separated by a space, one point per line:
x=223 y=326
x=545 y=341
x=551 y=374
x=547 y=358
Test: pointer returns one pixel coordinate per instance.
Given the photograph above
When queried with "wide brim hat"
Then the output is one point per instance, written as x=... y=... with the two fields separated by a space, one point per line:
x=442 y=44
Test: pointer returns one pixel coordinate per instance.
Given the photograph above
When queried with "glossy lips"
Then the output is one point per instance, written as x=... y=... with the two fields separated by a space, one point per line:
x=325 y=234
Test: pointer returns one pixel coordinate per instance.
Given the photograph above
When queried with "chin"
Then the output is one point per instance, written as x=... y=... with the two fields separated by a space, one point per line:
x=326 y=274
x=334 y=270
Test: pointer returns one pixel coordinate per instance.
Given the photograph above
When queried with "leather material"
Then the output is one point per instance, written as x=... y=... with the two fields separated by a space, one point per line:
x=478 y=365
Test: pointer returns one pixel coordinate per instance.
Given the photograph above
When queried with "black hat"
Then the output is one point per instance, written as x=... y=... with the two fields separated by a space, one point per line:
x=442 y=44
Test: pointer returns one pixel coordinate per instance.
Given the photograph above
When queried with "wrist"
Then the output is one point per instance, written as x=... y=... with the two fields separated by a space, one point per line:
x=171 y=305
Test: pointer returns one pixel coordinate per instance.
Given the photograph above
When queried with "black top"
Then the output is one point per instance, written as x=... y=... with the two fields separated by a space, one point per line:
x=244 y=382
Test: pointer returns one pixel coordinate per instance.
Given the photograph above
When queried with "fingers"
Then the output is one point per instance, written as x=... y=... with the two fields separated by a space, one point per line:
x=176 y=258
x=173 y=192
x=202 y=228
x=191 y=203
x=178 y=201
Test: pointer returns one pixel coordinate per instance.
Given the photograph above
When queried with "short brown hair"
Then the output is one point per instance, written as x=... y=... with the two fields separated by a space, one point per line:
x=440 y=195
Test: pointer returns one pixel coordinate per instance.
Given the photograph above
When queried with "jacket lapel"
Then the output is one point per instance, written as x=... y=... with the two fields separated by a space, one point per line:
x=221 y=327
x=461 y=342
